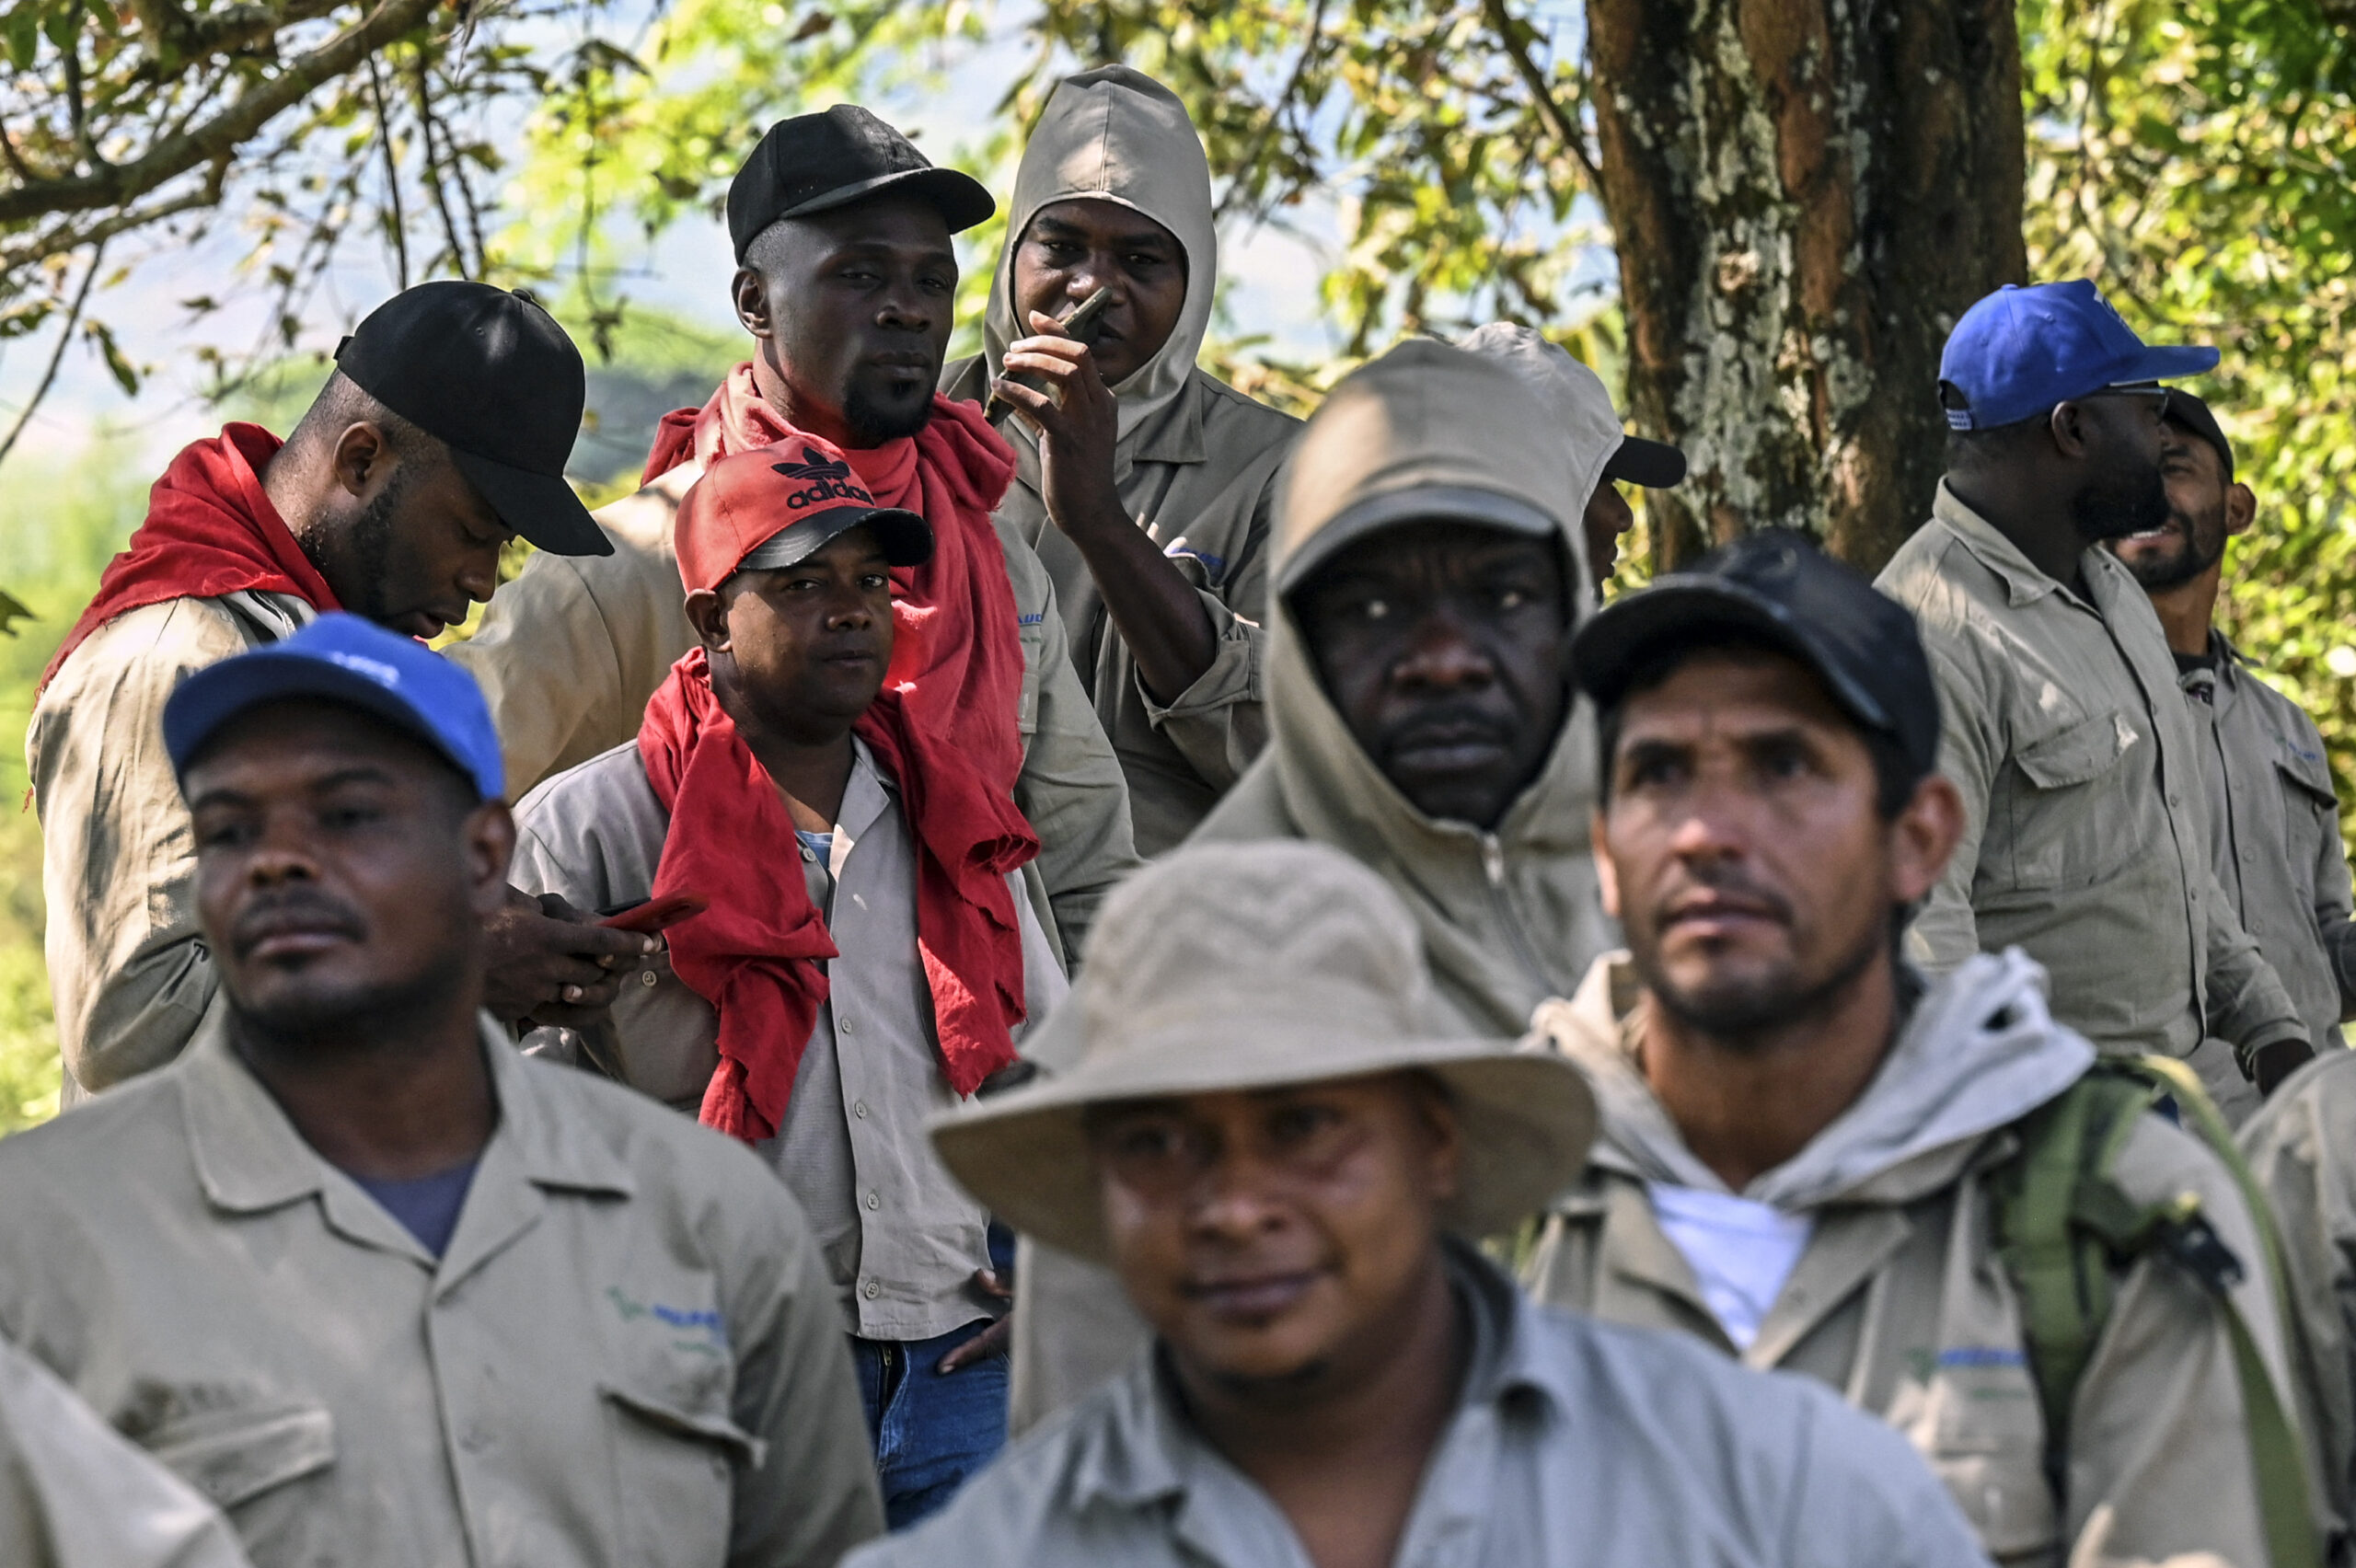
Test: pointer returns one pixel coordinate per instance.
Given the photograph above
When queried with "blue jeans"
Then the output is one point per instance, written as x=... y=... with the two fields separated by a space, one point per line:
x=930 y=1432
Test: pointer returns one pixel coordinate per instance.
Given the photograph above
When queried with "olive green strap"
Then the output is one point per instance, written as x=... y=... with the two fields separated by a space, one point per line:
x=2033 y=1220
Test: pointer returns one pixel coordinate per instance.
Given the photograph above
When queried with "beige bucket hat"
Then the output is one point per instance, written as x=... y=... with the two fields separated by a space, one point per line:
x=1247 y=966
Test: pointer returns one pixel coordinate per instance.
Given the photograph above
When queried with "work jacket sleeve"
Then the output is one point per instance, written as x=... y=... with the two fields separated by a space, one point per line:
x=128 y=968
x=2336 y=917
x=812 y=1494
x=2160 y=1459
x=2245 y=1002
x=1070 y=789
x=1944 y=931
x=1219 y=723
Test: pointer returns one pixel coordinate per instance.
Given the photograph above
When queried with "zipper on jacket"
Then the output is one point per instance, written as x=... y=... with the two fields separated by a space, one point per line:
x=1492 y=862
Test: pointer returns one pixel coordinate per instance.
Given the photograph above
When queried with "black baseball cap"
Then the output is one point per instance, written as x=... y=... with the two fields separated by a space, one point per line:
x=1776 y=585
x=2194 y=415
x=1655 y=464
x=815 y=162
x=491 y=375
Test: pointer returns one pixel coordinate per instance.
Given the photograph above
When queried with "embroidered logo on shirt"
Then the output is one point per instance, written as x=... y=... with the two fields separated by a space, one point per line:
x=1033 y=620
x=687 y=1322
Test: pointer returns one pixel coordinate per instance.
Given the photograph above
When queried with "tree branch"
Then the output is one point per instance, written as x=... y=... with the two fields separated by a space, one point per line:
x=58 y=240
x=57 y=356
x=119 y=184
x=1566 y=131
x=1309 y=50
x=392 y=175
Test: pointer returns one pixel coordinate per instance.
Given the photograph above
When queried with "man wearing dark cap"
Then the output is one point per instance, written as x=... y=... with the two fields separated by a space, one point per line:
x=442 y=433
x=1809 y=1152
x=847 y=280
x=386 y=1290
x=2086 y=832
x=822 y=1017
x=2273 y=812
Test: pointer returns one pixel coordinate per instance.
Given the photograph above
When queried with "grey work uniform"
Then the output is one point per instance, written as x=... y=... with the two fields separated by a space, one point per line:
x=2275 y=833
x=628 y=1356
x=2085 y=838
x=1573 y=1443
x=902 y=1240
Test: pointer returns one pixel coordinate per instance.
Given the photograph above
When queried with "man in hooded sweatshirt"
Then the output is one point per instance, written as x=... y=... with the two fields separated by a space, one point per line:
x=821 y=1018
x=847 y=280
x=442 y=433
x=1804 y=1141
x=1426 y=578
x=1146 y=485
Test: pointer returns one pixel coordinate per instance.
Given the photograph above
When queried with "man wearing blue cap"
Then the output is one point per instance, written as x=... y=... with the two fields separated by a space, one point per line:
x=441 y=434
x=2086 y=838
x=384 y=1290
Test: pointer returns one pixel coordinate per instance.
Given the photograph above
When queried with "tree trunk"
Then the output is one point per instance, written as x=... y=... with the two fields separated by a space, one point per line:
x=1805 y=195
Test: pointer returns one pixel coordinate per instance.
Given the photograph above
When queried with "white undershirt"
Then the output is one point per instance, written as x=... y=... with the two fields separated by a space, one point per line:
x=1740 y=1251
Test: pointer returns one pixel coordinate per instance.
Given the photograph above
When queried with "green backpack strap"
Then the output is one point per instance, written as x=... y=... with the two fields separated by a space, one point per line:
x=2064 y=1228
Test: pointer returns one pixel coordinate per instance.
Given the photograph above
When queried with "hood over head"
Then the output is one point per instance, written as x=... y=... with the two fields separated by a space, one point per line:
x=1116 y=134
x=1980 y=1051
x=1508 y=917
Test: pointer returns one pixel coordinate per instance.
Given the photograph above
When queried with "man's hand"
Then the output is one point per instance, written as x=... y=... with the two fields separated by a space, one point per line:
x=994 y=1340
x=548 y=963
x=1078 y=421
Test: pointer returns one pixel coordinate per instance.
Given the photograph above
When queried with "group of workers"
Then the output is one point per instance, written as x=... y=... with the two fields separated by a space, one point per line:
x=1199 y=941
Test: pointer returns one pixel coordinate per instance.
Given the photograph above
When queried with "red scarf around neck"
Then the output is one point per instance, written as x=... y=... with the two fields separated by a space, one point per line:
x=958 y=657
x=210 y=530
x=755 y=954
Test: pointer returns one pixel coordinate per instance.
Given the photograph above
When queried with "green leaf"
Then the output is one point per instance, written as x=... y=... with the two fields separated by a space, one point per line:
x=11 y=609
x=125 y=375
x=23 y=30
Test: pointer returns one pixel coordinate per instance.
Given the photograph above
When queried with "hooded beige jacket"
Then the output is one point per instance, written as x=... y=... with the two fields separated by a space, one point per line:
x=1508 y=917
x=1196 y=463
x=1899 y=1298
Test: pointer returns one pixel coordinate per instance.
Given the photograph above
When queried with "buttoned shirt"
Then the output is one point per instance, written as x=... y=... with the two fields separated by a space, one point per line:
x=2274 y=821
x=628 y=1356
x=128 y=969
x=2086 y=838
x=901 y=1239
x=1571 y=1443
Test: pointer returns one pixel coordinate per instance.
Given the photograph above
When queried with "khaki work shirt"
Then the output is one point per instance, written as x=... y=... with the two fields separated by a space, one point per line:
x=1900 y=1301
x=2086 y=838
x=629 y=1356
x=74 y=1494
x=569 y=652
x=2275 y=835
x=1200 y=477
x=129 y=971
x=901 y=1240
x=1573 y=1443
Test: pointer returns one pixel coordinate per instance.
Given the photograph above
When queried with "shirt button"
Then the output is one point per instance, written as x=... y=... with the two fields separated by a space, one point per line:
x=870 y=1290
x=473 y=1440
x=874 y=1201
x=2175 y=800
x=859 y=1109
x=646 y=977
x=842 y=1025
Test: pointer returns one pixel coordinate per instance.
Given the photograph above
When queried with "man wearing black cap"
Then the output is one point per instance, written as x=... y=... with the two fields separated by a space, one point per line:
x=2274 y=814
x=1808 y=1150
x=387 y=1291
x=2085 y=835
x=442 y=433
x=846 y=282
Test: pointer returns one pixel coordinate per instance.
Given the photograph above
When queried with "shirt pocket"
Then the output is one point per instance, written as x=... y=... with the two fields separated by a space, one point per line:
x=247 y=1458
x=678 y=1452
x=2309 y=801
x=2062 y=827
x=1980 y=1426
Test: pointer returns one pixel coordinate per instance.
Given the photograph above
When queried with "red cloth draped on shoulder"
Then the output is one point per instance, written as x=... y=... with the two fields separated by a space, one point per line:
x=955 y=615
x=755 y=952
x=210 y=531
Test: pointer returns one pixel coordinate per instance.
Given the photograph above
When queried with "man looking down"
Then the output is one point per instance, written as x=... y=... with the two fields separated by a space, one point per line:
x=391 y=1292
x=1287 y=1170
x=847 y=280
x=1814 y=1161
x=1146 y=486
x=442 y=433
x=822 y=1016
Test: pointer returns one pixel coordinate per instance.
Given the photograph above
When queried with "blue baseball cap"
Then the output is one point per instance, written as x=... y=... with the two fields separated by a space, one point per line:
x=2020 y=350
x=341 y=658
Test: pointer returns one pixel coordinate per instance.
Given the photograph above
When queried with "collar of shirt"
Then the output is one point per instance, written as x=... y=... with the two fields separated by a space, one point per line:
x=2024 y=583
x=1150 y=1453
x=249 y=1158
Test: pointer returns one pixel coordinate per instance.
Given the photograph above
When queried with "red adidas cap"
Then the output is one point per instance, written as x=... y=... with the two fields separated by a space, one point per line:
x=771 y=507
